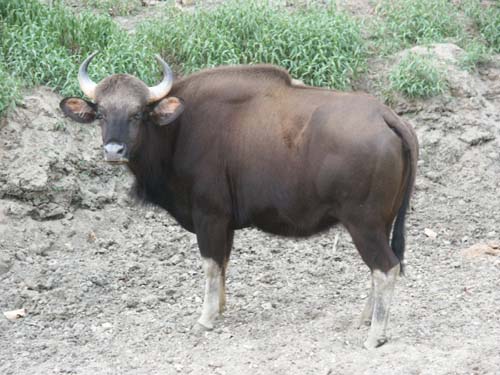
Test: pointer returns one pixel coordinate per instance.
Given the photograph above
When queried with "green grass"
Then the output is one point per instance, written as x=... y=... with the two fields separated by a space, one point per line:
x=476 y=53
x=418 y=76
x=487 y=21
x=44 y=45
x=9 y=89
x=405 y=23
x=321 y=46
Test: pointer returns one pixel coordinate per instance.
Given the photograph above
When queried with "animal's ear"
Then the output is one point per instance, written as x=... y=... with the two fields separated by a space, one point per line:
x=78 y=109
x=167 y=110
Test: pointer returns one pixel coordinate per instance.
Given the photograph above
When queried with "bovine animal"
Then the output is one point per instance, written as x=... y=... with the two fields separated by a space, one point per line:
x=247 y=146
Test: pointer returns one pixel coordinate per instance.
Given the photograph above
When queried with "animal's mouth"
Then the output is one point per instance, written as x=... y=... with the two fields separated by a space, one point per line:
x=117 y=161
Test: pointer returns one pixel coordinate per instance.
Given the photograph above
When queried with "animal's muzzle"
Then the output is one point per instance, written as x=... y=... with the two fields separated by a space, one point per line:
x=115 y=153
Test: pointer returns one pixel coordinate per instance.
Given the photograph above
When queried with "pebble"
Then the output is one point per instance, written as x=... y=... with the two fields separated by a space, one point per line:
x=5 y=264
x=130 y=302
x=267 y=305
x=150 y=300
x=430 y=233
x=20 y=255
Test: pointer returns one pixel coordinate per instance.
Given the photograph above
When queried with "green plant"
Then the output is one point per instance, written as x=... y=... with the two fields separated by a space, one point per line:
x=9 y=89
x=475 y=53
x=42 y=45
x=487 y=20
x=321 y=46
x=418 y=76
x=404 y=23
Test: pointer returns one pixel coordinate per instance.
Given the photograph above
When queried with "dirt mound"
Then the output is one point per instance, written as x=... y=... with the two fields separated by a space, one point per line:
x=111 y=287
x=51 y=166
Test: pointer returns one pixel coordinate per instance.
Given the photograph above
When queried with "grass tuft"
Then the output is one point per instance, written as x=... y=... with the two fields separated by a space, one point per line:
x=405 y=23
x=321 y=46
x=418 y=76
x=44 y=45
x=9 y=89
x=486 y=18
x=476 y=53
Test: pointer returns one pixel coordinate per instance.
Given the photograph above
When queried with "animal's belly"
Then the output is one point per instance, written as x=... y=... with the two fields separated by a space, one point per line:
x=292 y=225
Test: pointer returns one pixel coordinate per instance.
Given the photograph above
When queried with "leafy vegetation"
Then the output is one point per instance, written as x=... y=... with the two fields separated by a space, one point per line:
x=406 y=23
x=45 y=45
x=418 y=76
x=487 y=21
x=321 y=46
x=475 y=53
x=9 y=89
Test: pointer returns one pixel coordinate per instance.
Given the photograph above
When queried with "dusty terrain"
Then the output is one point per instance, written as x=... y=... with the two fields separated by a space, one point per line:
x=114 y=288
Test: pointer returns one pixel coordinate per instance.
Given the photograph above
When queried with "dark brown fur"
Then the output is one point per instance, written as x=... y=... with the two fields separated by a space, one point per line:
x=253 y=149
x=235 y=147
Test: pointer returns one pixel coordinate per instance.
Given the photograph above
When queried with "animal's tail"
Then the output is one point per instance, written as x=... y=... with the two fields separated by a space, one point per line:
x=410 y=150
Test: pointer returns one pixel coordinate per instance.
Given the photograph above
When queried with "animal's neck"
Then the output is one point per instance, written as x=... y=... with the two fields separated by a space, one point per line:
x=150 y=162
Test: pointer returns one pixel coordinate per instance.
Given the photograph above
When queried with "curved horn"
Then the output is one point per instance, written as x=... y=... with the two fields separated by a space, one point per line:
x=161 y=90
x=86 y=84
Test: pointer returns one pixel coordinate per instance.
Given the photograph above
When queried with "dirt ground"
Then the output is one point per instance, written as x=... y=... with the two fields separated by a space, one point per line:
x=114 y=288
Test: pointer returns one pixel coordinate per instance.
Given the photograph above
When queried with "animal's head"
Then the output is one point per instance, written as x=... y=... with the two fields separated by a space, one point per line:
x=122 y=104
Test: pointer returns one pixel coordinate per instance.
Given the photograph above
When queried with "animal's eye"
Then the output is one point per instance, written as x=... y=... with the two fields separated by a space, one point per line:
x=99 y=116
x=137 y=116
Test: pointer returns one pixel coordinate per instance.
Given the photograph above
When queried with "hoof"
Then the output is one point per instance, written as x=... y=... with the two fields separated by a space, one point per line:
x=202 y=327
x=363 y=323
x=374 y=343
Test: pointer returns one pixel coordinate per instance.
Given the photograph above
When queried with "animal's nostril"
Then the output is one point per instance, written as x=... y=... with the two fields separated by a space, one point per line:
x=114 y=151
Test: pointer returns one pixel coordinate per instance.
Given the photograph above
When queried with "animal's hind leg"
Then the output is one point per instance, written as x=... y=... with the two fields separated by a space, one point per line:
x=366 y=315
x=383 y=290
x=373 y=246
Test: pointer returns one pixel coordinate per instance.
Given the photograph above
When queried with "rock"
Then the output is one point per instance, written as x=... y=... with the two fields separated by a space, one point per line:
x=5 y=264
x=430 y=233
x=130 y=302
x=41 y=249
x=174 y=259
x=107 y=326
x=150 y=300
x=474 y=136
x=15 y=314
x=482 y=249
x=21 y=256
x=267 y=305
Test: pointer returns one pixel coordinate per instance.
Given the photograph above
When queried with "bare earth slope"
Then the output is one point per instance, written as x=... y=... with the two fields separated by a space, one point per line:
x=114 y=288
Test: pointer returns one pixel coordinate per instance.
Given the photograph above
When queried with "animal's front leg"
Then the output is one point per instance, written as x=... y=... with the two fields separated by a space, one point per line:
x=215 y=296
x=215 y=241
